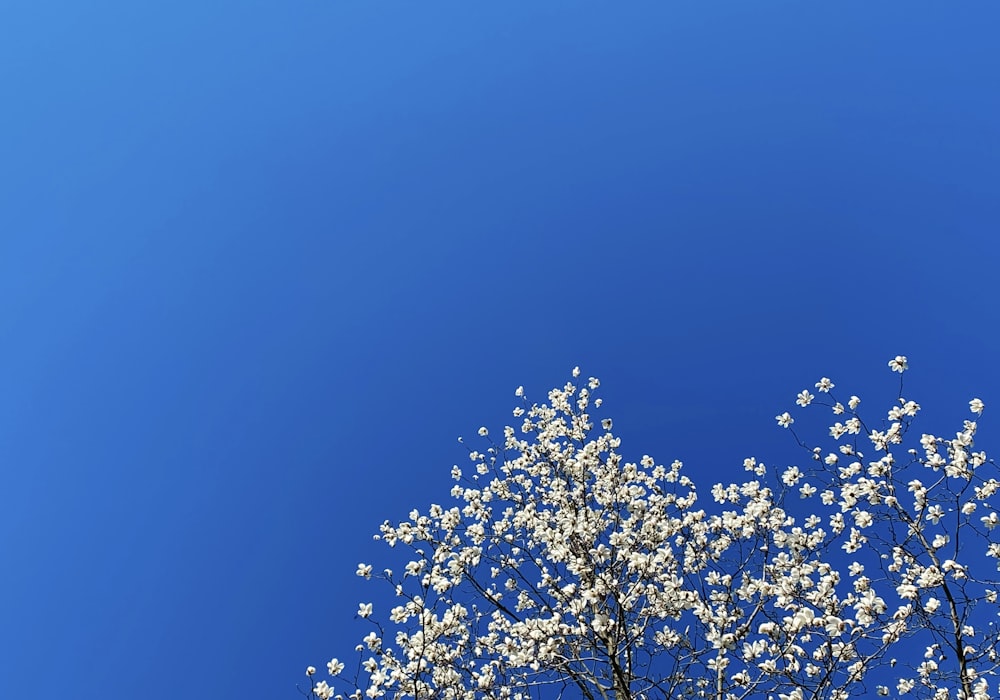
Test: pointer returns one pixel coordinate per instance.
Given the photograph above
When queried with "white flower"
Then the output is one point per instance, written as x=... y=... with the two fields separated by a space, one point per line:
x=977 y=406
x=853 y=403
x=825 y=384
x=310 y=670
x=791 y=476
x=898 y=364
x=364 y=570
x=784 y=419
x=483 y=432
x=804 y=398
x=600 y=623
x=334 y=667
x=365 y=610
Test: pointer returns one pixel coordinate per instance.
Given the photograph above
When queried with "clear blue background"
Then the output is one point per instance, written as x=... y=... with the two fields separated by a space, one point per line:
x=262 y=262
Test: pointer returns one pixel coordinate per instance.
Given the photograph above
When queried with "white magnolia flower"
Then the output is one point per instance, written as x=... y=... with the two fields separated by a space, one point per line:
x=898 y=364
x=791 y=476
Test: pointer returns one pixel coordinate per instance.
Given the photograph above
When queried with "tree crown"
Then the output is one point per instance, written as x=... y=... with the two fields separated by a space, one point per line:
x=560 y=569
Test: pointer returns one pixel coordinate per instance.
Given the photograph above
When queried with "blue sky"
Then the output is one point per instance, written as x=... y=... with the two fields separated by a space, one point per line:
x=262 y=262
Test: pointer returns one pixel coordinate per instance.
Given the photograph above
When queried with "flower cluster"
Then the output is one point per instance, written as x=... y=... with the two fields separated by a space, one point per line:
x=561 y=568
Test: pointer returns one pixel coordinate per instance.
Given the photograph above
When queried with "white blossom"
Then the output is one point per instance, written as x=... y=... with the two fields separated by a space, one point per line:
x=898 y=364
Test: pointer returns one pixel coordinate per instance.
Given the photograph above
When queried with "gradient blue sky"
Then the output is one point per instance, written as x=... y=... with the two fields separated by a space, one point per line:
x=261 y=262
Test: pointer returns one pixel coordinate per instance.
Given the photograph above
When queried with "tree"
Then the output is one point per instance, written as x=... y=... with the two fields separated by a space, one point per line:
x=563 y=570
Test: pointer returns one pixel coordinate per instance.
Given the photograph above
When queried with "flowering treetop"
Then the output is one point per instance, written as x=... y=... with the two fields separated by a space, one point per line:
x=561 y=569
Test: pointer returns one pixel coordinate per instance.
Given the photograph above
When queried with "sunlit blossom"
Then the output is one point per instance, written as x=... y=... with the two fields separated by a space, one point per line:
x=825 y=384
